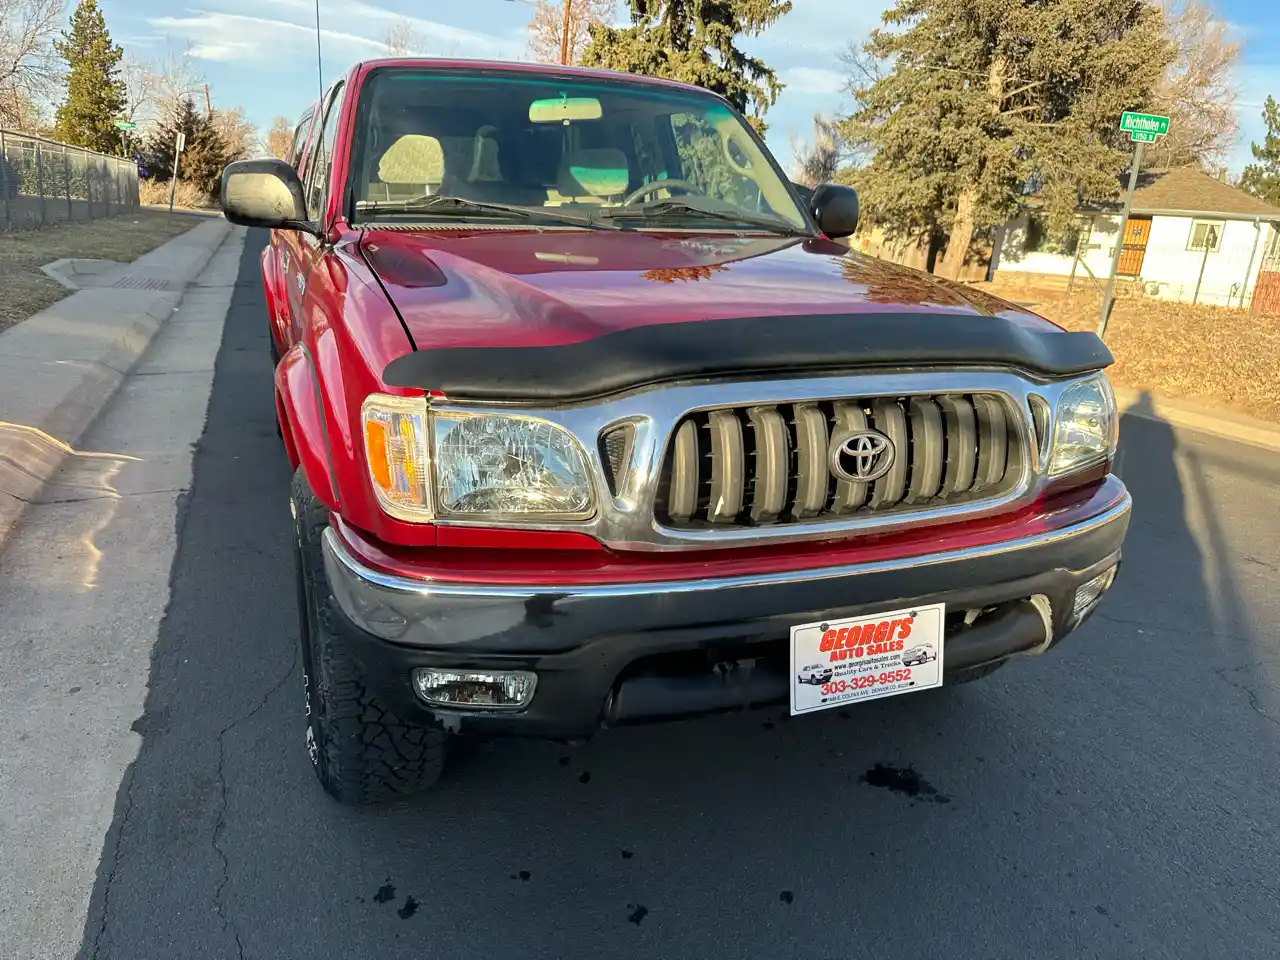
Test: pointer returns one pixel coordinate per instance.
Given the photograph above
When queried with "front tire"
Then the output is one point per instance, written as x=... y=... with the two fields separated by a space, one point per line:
x=361 y=752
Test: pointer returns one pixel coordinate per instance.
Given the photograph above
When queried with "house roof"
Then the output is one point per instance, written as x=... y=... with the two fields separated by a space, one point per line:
x=1187 y=191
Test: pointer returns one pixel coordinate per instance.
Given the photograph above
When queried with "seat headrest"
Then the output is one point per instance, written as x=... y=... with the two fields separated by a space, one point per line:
x=414 y=159
x=594 y=173
x=484 y=157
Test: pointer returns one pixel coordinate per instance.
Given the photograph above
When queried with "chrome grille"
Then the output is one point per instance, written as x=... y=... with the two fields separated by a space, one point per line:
x=788 y=463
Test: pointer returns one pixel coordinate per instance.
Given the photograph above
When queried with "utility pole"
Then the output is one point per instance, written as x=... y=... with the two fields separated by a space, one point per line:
x=208 y=104
x=564 y=33
x=1143 y=128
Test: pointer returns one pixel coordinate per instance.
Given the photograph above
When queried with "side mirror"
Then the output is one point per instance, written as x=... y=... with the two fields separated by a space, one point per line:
x=264 y=193
x=835 y=208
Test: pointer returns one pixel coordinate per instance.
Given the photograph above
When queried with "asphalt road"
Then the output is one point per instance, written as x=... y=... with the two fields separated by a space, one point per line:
x=1117 y=798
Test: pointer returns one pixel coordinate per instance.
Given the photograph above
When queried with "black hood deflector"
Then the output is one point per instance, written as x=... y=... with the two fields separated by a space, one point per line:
x=767 y=346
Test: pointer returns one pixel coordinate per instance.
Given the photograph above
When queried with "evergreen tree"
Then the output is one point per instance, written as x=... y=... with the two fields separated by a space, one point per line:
x=695 y=41
x=1262 y=179
x=95 y=92
x=975 y=104
x=203 y=156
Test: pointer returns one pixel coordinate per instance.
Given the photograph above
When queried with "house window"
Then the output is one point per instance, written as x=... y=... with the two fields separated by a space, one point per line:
x=1273 y=248
x=1206 y=235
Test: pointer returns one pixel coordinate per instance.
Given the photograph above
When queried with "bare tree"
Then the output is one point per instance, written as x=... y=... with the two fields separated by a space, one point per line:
x=819 y=161
x=1196 y=92
x=239 y=137
x=141 y=89
x=560 y=31
x=176 y=78
x=401 y=39
x=29 y=66
x=279 y=139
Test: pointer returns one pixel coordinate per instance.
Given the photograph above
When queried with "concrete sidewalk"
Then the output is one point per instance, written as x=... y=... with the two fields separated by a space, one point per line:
x=84 y=586
x=59 y=368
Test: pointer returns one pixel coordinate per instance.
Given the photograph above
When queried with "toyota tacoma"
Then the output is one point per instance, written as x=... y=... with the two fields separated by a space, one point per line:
x=594 y=421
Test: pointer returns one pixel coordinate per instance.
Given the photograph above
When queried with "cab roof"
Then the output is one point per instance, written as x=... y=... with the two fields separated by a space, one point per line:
x=512 y=66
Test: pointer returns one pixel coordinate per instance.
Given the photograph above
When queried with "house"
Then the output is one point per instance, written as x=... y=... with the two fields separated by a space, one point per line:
x=1190 y=238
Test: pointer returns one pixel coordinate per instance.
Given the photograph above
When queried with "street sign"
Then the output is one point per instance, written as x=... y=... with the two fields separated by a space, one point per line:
x=180 y=143
x=126 y=125
x=1143 y=127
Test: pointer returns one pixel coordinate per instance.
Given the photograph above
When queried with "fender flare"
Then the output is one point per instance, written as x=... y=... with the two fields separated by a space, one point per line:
x=302 y=424
x=277 y=313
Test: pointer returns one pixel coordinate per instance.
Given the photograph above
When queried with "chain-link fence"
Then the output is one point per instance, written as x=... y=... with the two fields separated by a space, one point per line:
x=43 y=182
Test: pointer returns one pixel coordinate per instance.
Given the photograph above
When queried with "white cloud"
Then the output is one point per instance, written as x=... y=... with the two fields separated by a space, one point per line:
x=228 y=35
x=817 y=80
x=235 y=37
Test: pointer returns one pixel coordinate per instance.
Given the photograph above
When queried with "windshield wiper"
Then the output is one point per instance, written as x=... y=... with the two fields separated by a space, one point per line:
x=663 y=209
x=446 y=205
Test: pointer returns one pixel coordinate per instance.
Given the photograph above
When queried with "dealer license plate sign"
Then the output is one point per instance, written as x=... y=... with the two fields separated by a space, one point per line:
x=838 y=662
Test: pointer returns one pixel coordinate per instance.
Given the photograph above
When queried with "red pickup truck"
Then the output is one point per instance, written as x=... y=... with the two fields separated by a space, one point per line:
x=594 y=423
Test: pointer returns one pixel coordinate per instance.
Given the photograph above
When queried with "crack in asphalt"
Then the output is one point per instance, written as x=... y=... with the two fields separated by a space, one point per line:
x=225 y=879
x=1182 y=631
x=1248 y=690
x=115 y=863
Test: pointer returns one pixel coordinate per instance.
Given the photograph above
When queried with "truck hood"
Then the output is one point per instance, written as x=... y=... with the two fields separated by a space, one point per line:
x=501 y=287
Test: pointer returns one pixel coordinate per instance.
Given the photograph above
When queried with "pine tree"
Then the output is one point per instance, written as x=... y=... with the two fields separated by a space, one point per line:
x=203 y=156
x=978 y=103
x=95 y=92
x=695 y=41
x=1262 y=179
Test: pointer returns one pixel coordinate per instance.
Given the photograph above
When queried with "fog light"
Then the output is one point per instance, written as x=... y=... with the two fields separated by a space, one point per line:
x=464 y=690
x=1090 y=592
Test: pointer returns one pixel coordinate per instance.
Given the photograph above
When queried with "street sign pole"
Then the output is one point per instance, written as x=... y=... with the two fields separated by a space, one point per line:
x=1108 y=294
x=179 y=142
x=1142 y=128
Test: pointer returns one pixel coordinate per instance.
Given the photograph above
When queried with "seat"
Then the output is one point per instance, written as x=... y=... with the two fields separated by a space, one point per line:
x=484 y=157
x=595 y=176
x=413 y=166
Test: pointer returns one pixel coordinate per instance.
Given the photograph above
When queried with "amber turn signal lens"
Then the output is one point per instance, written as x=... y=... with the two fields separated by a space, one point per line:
x=375 y=443
x=395 y=444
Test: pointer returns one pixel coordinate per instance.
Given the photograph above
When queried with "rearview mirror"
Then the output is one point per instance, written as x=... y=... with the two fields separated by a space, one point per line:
x=264 y=193
x=835 y=208
x=565 y=109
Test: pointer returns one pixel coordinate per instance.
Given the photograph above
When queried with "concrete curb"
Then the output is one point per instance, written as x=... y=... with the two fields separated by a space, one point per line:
x=1183 y=413
x=60 y=368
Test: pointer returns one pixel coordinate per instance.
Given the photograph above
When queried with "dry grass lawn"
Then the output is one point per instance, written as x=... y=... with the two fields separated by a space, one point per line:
x=24 y=290
x=1226 y=358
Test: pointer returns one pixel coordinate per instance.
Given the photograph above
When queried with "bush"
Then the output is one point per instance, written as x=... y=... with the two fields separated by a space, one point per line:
x=187 y=194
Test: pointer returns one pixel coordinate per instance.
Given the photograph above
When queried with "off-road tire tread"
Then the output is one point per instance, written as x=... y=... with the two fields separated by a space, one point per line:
x=367 y=753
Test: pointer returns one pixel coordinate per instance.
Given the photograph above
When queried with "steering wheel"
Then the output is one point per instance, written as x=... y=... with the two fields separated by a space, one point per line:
x=657 y=185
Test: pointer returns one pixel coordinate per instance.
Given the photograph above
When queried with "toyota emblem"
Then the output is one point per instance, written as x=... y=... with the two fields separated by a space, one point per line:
x=861 y=457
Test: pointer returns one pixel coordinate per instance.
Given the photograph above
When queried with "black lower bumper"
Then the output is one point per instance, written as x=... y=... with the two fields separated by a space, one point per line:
x=618 y=655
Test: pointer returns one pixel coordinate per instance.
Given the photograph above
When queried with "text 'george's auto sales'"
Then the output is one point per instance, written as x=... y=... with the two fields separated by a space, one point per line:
x=851 y=643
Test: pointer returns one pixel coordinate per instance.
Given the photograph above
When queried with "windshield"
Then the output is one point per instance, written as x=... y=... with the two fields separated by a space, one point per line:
x=574 y=146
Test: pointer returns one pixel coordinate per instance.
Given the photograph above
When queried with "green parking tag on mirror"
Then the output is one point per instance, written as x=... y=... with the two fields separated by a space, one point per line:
x=565 y=109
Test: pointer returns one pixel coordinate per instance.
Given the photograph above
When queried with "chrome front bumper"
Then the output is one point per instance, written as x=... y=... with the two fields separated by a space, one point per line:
x=466 y=619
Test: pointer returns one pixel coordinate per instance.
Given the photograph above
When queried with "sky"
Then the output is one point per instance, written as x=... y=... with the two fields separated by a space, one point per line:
x=260 y=54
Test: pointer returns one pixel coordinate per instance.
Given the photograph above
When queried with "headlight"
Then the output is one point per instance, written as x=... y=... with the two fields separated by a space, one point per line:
x=492 y=465
x=426 y=465
x=395 y=446
x=1085 y=426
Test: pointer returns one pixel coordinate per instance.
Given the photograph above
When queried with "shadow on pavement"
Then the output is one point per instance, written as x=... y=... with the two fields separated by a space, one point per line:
x=1077 y=804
